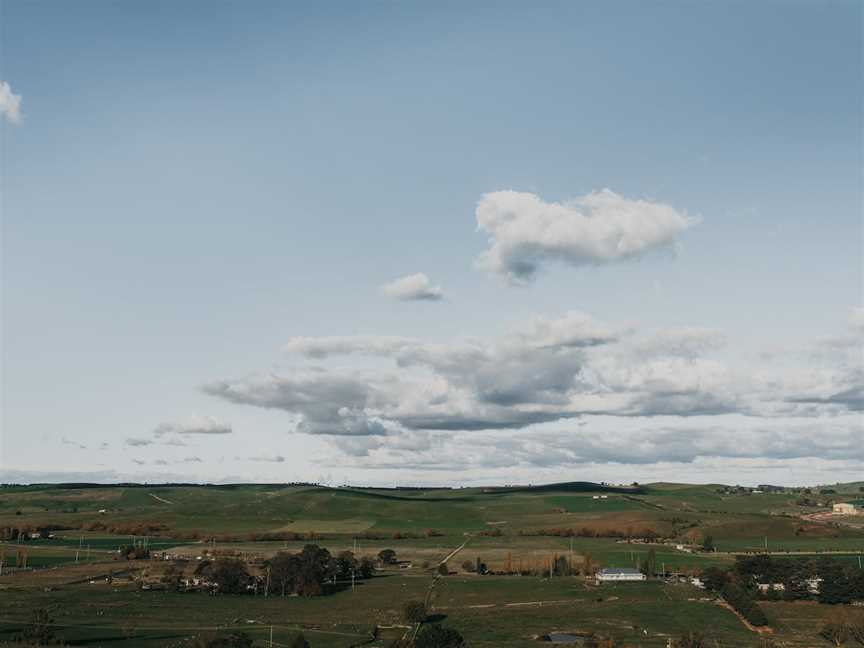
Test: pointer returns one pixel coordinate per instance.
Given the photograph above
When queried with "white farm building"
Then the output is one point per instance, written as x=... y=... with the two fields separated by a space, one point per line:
x=844 y=509
x=615 y=574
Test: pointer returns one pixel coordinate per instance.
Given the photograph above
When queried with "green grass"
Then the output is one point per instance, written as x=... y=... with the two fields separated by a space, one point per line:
x=643 y=612
x=481 y=607
x=523 y=607
x=586 y=504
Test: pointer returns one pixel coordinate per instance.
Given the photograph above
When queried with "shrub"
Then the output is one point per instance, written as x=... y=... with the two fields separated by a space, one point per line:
x=299 y=642
x=387 y=556
x=692 y=639
x=414 y=611
x=231 y=640
x=436 y=636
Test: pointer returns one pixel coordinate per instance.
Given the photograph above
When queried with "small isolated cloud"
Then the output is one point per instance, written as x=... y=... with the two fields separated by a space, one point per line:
x=415 y=287
x=10 y=104
x=138 y=442
x=271 y=458
x=602 y=227
x=194 y=425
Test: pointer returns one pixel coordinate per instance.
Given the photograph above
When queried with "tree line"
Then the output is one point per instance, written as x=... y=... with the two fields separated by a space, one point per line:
x=313 y=571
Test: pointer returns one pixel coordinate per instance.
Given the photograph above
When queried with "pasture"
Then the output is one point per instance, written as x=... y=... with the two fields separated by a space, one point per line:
x=512 y=529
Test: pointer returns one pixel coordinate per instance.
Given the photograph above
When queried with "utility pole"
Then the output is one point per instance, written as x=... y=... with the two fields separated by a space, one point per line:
x=266 y=594
x=271 y=636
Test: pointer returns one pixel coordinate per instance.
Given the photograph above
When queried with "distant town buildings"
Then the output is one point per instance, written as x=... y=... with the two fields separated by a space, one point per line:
x=844 y=508
x=616 y=574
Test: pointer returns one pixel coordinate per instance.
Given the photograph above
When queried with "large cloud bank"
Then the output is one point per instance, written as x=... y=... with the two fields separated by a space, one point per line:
x=564 y=391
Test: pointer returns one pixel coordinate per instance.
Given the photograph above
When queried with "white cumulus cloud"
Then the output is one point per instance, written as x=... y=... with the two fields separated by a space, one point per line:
x=194 y=425
x=10 y=103
x=602 y=227
x=413 y=287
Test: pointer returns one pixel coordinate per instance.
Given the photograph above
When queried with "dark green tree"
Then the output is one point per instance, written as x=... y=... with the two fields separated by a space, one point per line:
x=414 y=611
x=366 y=568
x=299 y=641
x=346 y=565
x=230 y=576
x=438 y=636
x=387 y=556
x=215 y=640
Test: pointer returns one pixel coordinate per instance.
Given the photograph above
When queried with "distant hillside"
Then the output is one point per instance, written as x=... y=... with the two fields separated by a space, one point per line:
x=566 y=487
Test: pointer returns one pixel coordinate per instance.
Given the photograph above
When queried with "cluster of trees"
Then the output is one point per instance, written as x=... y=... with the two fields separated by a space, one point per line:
x=841 y=582
x=306 y=572
x=838 y=582
x=278 y=536
x=134 y=552
x=744 y=602
x=428 y=635
x=690 y=639
x=411 y=535
x=22 y=531
x=477 y=566
x=648 y=565
x=630 y=533
x=233 y=640
x=739 y=591
x=137 y=528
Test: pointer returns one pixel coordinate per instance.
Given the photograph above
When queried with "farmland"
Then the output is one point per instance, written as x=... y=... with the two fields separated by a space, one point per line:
x=94 y=596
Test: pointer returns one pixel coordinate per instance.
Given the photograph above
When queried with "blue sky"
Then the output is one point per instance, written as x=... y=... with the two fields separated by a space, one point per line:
x=190 y=186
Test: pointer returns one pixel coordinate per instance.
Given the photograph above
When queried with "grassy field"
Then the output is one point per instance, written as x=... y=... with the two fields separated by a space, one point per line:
x=503 y=528
x=489 y=611
x=273 y=508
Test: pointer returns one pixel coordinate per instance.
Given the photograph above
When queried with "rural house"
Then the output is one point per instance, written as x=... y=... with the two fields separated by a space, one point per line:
x=615 y=574
x=844 y=508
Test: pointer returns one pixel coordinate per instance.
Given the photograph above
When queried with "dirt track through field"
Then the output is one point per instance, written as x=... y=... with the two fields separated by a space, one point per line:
x=428 y=598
